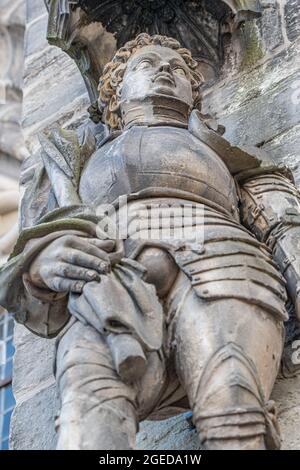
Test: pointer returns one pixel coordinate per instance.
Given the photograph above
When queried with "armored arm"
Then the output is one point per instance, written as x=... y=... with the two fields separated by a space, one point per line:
x=42 y=314
x=270 y=208
x=41 y=222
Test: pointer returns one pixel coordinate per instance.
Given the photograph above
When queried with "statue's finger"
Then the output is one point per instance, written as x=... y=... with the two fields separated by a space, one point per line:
x=84 y=245
x=59 y=284
x=79 y=258
x=69 y=271
x=106 y=245
x=76 y=287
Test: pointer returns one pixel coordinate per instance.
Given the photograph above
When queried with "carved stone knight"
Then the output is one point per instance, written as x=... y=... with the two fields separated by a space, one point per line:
x=149 y=327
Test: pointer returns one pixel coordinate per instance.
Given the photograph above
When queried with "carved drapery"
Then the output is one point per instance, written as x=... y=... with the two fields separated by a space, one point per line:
x=91 y=30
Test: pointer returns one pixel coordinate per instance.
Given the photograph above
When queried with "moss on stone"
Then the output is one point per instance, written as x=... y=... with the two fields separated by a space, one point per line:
x=253 y=49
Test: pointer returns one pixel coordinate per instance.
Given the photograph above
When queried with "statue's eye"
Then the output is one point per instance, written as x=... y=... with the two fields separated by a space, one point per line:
x=144 y=64
x=180 y=71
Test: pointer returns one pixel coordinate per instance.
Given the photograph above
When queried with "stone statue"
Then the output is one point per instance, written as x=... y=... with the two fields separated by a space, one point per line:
x=150 y=326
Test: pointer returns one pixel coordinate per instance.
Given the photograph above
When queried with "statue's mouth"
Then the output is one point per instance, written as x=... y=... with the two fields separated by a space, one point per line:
x=164 y=77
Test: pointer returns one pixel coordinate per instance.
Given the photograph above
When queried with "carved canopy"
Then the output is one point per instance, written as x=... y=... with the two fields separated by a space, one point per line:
x=91 y=30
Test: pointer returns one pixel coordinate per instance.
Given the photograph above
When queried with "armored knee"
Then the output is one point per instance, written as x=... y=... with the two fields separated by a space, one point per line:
x=230 y=410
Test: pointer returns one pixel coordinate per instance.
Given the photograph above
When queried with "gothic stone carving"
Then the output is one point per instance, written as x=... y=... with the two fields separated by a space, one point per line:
x=150 y=326
x=91 y=30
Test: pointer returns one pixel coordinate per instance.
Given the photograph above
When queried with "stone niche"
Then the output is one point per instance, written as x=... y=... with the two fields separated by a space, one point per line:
x=91 y=30
x=249 y=54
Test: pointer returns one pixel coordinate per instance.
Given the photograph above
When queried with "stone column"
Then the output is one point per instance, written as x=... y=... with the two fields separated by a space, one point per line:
x=12 y=148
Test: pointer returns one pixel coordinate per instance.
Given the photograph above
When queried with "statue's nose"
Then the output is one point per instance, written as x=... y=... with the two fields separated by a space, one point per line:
x=165 y=67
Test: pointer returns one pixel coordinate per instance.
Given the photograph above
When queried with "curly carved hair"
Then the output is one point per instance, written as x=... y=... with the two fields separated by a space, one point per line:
x=114 y=71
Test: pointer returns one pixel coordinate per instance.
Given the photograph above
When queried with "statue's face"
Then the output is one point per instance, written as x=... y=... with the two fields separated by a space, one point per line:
x=156 y=70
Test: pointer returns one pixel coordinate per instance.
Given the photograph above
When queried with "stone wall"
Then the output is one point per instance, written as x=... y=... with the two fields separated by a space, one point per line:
x=257 y=98
x=12 y=149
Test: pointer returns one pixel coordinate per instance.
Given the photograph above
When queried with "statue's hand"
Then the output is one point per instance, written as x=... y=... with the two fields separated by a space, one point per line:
x=69 y=262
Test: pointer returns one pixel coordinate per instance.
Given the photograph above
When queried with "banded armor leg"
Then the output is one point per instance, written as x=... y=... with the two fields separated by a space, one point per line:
x=270 y=205
x=226 y=333
x=98 y=411
x=228 y=370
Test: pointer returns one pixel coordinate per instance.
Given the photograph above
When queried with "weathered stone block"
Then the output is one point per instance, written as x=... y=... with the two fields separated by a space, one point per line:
x=32 y=426
x=270 y=26
x=292 y=18
x=56 y=86
x=27 y=376
x=35 y=9
x=175 y=433
x=259 y=105
x=287 y=396
x=36 y=35
x=285 y=148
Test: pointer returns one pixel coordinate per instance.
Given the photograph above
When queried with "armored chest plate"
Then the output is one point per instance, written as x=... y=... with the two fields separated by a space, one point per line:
x=156 y=158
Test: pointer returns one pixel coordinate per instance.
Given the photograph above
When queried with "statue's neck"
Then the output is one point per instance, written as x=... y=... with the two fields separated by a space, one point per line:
x=156 y=110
